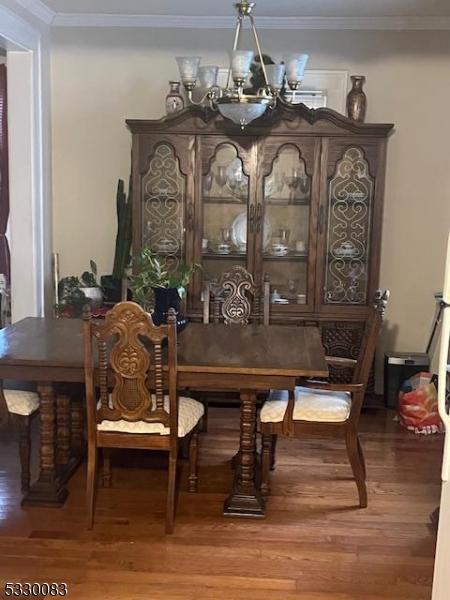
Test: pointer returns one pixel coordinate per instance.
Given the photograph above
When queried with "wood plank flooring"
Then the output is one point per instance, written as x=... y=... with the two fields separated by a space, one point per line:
x=315 y=544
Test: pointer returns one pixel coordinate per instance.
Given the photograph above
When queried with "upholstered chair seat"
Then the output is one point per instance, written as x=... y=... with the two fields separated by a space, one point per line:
x=22 y=406
x=190 y=412
x=21 y=402
x=322 y=406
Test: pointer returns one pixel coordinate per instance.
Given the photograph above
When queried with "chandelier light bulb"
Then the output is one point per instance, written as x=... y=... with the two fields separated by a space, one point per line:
x=275 y=76
x=240 y=64
x=188 y=67
x=295 y=69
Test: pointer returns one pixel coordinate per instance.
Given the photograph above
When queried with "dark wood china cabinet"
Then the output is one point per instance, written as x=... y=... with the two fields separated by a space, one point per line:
x=297 y=196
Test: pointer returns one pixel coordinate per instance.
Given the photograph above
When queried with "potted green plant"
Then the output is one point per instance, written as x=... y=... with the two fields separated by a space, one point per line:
x=163 y=279
x=70 y=297
x=90 y=286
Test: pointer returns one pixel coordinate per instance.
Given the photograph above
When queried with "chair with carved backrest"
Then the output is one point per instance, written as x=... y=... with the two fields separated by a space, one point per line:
x=133 y=411
x=325 y=409
x=236 y=299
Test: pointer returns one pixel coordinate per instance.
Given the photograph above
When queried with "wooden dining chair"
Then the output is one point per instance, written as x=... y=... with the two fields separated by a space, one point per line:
x=137 y=363
x=22 y=406
x=235 y=299
x=325 y=409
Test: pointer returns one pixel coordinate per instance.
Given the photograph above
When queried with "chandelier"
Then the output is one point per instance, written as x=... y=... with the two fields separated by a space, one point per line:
x=233 y=101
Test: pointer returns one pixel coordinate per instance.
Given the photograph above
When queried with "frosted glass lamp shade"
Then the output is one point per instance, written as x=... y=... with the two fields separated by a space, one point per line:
x=275 y=75
x=207 y=76
x=188 y=67
x=242 y=113
x=240 y=63
x=295 y=67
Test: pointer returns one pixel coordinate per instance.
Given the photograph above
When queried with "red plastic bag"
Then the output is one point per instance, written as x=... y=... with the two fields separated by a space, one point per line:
x=418 y=405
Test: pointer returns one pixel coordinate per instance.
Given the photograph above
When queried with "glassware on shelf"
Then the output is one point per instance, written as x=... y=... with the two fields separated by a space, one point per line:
x=300 y=246
x=207 y=182
x=291 y=286
x=304 y=183
x=293 y=182
x=237 y=182
x=223 y=248
x=274 y=296
x=273 y=184
x=284 y=236
x=221 y=175
x=278 y=249
x=226 y=235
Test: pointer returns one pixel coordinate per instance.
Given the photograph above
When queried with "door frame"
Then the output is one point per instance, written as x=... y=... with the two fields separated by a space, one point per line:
x=30 y=229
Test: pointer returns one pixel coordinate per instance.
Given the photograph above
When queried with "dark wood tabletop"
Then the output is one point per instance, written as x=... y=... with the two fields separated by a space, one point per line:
x=212 y=348
x=245 y=359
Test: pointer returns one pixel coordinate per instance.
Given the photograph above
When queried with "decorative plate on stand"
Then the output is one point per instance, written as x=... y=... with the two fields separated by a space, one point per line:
x=239 y=231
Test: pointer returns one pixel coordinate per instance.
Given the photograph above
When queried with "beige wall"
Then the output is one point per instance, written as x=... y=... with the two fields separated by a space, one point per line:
x=101 y=77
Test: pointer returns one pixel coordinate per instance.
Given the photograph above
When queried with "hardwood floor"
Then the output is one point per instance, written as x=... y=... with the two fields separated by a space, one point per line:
x=315 y=544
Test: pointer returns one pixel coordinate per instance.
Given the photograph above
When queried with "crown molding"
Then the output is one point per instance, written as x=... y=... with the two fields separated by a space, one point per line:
x=39 y=10
x=220 y=22
x=42 y=12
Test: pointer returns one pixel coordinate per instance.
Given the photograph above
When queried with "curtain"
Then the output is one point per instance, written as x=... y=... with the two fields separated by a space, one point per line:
x=4 y=178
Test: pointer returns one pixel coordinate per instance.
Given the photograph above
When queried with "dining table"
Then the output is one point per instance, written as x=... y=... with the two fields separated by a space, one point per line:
x=245 y=359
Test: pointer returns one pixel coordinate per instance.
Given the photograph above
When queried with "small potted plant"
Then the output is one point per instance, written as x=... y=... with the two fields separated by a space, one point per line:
x=162 y=279
x=90 y=287
x=70 y=297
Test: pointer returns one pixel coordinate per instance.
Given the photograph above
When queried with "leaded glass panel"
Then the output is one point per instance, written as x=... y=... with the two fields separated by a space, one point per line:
x=349 y=223
x=163 y=195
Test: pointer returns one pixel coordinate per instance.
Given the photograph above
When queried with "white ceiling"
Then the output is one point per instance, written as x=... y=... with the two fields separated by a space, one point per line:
x=275 y=14
x=269 y=8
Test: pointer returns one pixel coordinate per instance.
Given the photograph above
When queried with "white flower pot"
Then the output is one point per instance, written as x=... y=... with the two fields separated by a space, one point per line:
x=95 y=295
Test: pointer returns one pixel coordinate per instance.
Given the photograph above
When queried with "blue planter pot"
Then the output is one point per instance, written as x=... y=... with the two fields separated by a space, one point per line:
x=166 y=298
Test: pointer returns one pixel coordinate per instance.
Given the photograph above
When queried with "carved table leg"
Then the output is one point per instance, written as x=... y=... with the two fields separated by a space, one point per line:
x=47 y=490
x=23 y=426
x=70 y=432
x=62 y=429
x=245 y=499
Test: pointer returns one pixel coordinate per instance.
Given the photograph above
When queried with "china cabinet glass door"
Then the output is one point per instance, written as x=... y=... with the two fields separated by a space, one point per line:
x=164 y=176
x=287 y=181
x=163 y=203
x=224 y=199
x=346 y=222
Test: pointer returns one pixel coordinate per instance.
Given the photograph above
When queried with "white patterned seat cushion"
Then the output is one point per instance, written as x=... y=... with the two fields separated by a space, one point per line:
x=21 y=402
x=190 y=412
x=321 y=406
